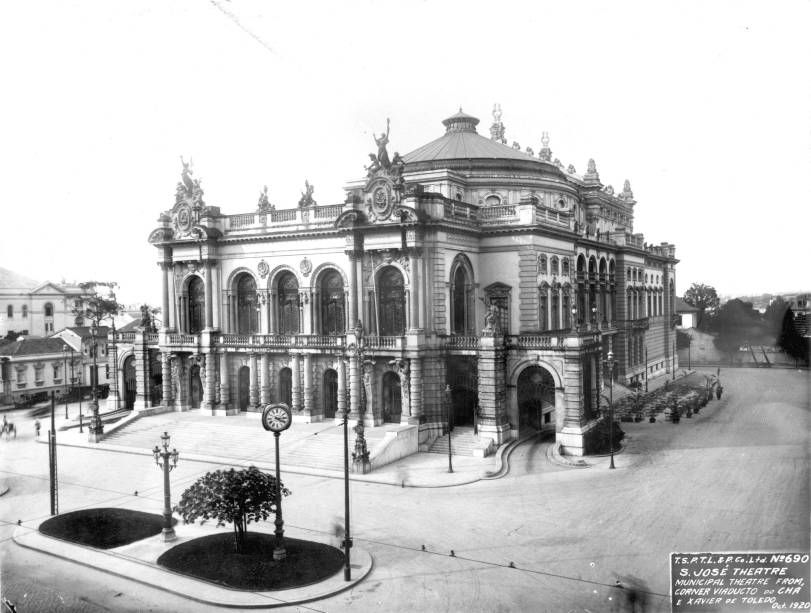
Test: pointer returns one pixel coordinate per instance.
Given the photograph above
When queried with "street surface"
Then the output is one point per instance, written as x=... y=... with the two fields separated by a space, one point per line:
x=734 y=478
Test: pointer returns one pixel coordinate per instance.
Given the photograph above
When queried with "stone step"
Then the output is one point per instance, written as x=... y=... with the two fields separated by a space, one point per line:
x=463 y=441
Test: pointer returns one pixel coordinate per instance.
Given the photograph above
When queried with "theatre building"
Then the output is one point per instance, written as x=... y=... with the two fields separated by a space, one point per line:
x=466 y=279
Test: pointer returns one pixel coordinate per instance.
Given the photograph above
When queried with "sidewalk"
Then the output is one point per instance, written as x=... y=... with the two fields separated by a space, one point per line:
x=138 y=562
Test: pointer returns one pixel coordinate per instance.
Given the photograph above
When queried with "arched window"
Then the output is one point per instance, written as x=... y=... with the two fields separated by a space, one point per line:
x=542 y=264
x=461 y=300
x=555 y=265
x=288 y=304
x=330 y=393
x=247 y=315
x=333 y=311
x=10 y=311
x=197 y=305
x=565 y=266
x=555 y=308
x=391 y=302
x=492 y=200
x=49 y=309
x=567 y=309
x=543 y=307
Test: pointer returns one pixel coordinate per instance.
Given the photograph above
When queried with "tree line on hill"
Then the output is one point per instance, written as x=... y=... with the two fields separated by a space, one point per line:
x=737 y=323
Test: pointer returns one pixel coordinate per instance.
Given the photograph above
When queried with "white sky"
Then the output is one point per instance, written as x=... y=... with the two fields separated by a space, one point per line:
x=704 y=106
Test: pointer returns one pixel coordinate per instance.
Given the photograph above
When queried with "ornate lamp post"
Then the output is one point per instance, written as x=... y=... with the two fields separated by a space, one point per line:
x=574 y=318
x=450 y=426
x=347 y=538
x=610 y=365
x=167 y=460
x=96 y=427
x=360 y=457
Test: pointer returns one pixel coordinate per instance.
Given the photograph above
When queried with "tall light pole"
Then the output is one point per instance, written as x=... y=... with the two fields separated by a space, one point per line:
x=347 y=538
x=450 y=426
x=647 y=374
x=360 y=456
x=96 y=427
x=610 y=365
x=167 y=460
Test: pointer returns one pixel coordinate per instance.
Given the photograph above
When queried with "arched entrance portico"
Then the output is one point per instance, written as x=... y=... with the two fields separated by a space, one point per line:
x=243 y=387
x=195 y=387
x=129 y=382
x=462 y=378
x=536 y=398
x=392 y=405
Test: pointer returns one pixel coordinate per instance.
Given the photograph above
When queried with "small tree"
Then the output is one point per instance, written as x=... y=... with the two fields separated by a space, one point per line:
x=231 y=496
x=705 y=298
x=99 y=301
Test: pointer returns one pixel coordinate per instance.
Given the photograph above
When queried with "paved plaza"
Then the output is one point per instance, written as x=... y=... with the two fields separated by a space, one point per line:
x=541 y=537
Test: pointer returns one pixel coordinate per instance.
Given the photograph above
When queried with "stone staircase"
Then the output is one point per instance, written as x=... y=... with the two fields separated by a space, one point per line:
x=243 y=439
x=462 y=442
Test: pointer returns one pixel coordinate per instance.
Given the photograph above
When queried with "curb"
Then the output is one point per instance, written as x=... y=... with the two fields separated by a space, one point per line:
x=152 y=575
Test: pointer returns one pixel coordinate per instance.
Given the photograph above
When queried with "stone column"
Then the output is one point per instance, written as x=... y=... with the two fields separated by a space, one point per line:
x=415 y=374
x=341 y=367
x=493 y=420
x=309 y=410
x=166 y=375
x=166 y=270
x=170 y=316
x=225 y=396
x=421 y=293
x=211 y=369
x=264 y=379
x=253 y=390
x=295 y=372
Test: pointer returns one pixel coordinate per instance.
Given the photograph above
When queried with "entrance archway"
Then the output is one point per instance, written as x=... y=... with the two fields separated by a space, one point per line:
x=195 y=387
x=243 y=387
x=463 y=381
x=129 y=382
x=392 y=398
x=286 y=386
x=536 y=398
x=155 y=378
x=330 y=393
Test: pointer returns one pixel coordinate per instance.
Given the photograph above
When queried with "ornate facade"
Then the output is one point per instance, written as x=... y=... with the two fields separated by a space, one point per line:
x=467 y=279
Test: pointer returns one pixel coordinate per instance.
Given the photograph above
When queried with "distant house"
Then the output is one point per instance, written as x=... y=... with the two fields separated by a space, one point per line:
x=30 y=368
x=32 y=308
x=687 y=313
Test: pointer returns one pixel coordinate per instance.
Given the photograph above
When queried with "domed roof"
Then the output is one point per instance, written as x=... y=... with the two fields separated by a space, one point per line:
x=461 y=141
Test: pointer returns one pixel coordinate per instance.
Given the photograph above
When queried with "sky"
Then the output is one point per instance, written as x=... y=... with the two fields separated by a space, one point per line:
x=705 y=107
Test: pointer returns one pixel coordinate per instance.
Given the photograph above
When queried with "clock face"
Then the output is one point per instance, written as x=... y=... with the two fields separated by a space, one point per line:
x=276 y=417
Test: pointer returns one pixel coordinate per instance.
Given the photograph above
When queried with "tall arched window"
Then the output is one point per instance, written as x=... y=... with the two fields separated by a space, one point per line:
x=555 y=265
x=542 y=264
x=565 y=266
x=247 y=315
x=567 y=309
x=49 y=309
x=461 y=300
x=333 y=310
x=543 y=307
x=555 y=308
x=197 y=305
x=288 y=304
x=391 y=301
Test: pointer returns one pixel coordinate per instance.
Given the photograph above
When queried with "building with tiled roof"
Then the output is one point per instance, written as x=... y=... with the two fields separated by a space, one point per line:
x=466 y=280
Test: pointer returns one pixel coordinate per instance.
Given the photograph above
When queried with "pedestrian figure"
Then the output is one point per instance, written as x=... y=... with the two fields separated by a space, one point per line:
x=37 y=427
x=718 y=391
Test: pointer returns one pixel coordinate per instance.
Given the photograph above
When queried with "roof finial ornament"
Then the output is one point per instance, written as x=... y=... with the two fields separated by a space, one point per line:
x=627 y=194
x=497 y=129
x=545 y=153
x=264 y=202
x=307 y=195
x=592 y=177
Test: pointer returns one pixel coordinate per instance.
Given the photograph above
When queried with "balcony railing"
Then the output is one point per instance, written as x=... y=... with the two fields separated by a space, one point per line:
x=550 y=340
x=461 y=342
x=319 y=341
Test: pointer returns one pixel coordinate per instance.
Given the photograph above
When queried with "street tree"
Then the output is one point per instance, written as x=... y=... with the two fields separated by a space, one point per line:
x=738 y=324
x=231 y=496
x=774 y=315
x=790 y=339
x=99 y=302
x=705 y=299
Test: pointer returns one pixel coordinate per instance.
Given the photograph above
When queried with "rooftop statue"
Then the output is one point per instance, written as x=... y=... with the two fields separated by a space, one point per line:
x=382 y=154
x=264 y=202
x=307 y=195
x=372 y=168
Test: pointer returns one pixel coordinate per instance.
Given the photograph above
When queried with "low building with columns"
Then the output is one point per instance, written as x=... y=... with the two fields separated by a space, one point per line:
x=467 y=280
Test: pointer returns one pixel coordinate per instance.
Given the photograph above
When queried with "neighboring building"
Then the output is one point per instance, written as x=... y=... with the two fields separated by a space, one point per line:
x=801 y=306
x=687 y=313
x=31 y=368
x=468 y=263
x=35 y=309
